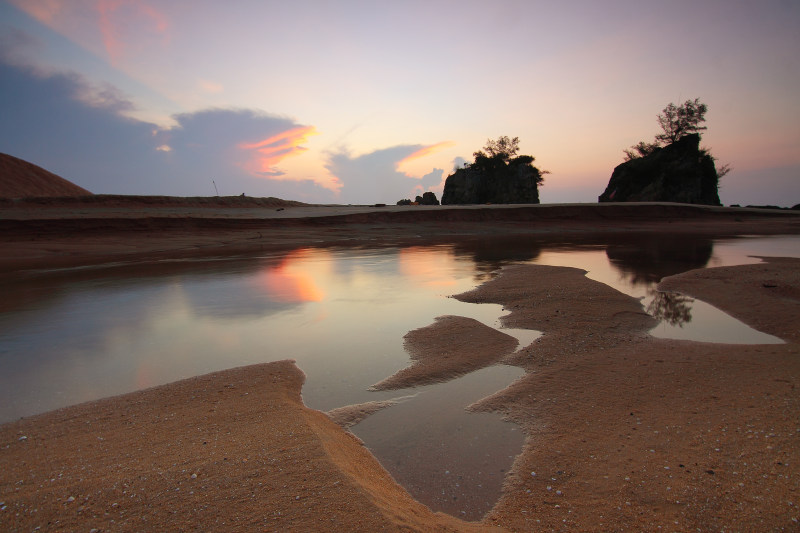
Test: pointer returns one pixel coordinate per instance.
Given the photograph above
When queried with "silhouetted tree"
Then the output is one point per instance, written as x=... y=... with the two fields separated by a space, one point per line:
x=674 y=167
x=678 y=121
x=503 y=148
x=500 y=156
x=640 y=150
x=498 y=175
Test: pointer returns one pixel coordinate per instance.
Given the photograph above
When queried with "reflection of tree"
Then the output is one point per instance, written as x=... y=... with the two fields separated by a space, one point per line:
x=671 y=307
x=643 y=260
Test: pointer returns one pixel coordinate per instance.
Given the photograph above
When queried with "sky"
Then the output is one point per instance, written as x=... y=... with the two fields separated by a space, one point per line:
x=362 y=102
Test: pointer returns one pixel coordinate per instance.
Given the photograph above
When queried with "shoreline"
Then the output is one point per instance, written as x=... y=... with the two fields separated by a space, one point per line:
x=64 y=234
x=624 y=431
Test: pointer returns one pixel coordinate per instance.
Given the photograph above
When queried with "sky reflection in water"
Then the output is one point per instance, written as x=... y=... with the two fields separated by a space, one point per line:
x=73 y=336
x=340 y=314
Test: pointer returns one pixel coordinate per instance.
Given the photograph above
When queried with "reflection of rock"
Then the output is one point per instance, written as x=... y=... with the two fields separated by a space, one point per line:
x=679 y=172
x=492 y=253
x=450 y=347
x=646 y=260
x=671 y=307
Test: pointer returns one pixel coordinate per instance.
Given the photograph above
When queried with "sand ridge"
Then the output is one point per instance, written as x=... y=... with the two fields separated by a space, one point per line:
x=232 y=450
x=450 y=347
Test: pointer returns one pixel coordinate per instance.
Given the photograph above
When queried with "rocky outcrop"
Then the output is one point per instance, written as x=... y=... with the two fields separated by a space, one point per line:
x=427 y=198
x=516 y=182
x=679 y=172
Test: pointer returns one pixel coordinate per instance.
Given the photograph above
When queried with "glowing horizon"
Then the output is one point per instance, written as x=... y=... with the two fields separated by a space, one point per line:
x=353 y=81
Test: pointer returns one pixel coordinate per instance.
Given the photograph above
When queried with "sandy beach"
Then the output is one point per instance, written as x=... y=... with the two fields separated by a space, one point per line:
x=624 y=431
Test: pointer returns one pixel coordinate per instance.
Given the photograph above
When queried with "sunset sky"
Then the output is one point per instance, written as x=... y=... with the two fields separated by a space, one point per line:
x=374 y=101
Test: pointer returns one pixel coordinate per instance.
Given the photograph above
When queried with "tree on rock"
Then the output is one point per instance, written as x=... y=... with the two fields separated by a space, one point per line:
x=642 y=149
x=673 y=168
x=676 y=122
x=497 y=176
x=503 y=148
x=679 y=121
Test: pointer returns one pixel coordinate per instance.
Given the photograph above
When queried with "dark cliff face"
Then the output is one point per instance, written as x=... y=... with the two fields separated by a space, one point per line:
x=679 y=172
x=500 y=184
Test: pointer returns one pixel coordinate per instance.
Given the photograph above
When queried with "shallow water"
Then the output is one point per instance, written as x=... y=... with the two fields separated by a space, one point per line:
x=74 y=335
x=467 y=454
x=635 y=268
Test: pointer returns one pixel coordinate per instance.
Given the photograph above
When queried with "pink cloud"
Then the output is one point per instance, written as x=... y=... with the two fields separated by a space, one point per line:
x=119 y=18
x=265 y=154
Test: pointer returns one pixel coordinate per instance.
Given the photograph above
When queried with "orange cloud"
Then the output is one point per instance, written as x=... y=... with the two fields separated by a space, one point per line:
x=425 y=150
x=265 y=154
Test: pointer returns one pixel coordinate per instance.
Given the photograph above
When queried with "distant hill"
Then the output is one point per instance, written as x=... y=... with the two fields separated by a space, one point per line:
x=20 y=179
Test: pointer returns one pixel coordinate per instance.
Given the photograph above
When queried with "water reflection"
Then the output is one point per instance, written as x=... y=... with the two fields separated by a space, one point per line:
x=451 y=459
x=673 y=308
x=80 y=334
x=490 y=254
x=74 y=335
x=645 y=260
x=291 y=281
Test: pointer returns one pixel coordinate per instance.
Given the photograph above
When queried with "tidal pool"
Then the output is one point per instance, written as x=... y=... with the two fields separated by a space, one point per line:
x=73 y=335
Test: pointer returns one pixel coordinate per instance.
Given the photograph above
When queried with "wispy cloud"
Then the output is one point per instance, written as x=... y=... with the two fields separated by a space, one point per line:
x=129 y=23
x=45 y=11
x=210 y=87
x=424 y=151
x=116 y=27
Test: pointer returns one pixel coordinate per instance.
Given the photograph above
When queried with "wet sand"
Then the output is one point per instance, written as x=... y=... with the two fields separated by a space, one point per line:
x=630 y=432
x=450 y=347
x=624 y=431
